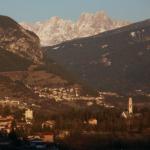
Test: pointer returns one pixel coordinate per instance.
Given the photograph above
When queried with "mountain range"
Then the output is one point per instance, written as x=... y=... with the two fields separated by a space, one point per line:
x=57 y=30
x=113 y=61
x=116 y=60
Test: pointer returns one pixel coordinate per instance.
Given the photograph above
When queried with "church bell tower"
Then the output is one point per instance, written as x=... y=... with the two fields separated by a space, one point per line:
x=130 y=106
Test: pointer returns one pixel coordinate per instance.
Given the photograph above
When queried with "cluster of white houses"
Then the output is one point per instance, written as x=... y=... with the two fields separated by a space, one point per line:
x=68 y=94
x=58 y=94
x=71 y=94
x=7 y=101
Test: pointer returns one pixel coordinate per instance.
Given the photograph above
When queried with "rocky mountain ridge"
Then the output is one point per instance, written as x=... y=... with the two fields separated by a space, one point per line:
x=57 y=30
x=16 y=39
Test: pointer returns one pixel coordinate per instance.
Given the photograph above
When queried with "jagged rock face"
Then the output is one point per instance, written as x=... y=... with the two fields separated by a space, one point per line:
x=57 y=30
x=16 y=39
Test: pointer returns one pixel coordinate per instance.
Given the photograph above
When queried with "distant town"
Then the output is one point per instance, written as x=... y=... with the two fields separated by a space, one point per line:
x=24 y=124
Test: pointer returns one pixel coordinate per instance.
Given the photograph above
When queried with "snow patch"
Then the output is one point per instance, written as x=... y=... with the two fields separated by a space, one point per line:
x=104 y=46
x=56 y=48
x=133 y=34
x=105 y=60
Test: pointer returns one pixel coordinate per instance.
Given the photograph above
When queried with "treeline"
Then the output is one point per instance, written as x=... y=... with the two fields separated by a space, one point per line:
x=76 y=119
x=108 y=120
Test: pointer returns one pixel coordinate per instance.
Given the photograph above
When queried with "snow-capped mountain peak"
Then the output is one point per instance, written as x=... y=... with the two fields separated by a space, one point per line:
x=57 y=30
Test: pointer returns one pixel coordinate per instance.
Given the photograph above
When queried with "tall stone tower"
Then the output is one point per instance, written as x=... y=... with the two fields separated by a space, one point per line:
x=130 y=106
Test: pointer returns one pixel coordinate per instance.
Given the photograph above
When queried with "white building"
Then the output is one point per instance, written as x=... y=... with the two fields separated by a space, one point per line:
x=28 y=116
x=92 y=121
x=49 y=124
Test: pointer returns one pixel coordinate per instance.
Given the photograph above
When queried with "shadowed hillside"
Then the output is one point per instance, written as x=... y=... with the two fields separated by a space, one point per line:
x=116 y=61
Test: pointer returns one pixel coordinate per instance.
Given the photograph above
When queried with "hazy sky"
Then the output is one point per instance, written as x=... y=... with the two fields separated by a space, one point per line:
x=34 y=10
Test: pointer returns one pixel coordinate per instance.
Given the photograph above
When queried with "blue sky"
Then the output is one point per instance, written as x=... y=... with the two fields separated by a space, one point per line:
x=35 y=10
